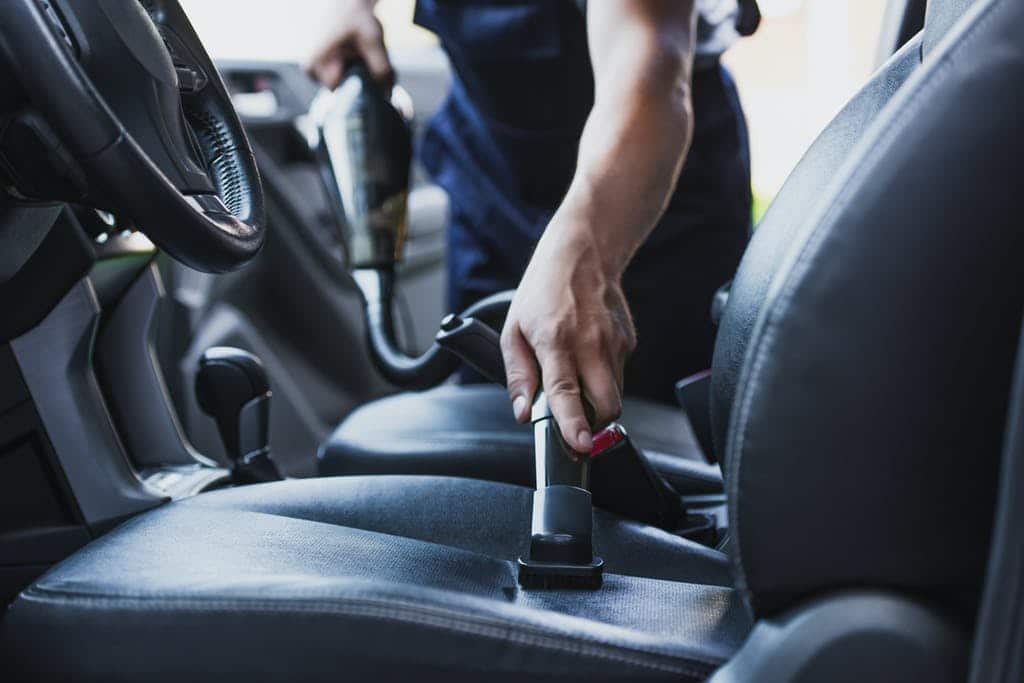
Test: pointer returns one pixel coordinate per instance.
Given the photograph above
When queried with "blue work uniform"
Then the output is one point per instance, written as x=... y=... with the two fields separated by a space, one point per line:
x=504 y=146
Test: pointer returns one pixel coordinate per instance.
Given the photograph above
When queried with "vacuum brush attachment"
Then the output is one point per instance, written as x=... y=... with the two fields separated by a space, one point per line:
x=561 y=541
x=561 y=536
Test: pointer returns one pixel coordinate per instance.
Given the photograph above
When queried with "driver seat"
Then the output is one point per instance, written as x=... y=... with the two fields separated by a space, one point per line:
x=850 y=382
x=469 y=431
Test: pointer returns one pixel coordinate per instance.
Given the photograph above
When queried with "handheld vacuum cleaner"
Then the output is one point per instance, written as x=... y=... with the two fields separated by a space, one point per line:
x=361 y=139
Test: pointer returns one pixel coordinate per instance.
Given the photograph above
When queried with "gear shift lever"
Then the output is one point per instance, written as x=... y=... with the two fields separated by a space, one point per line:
x=232 y=388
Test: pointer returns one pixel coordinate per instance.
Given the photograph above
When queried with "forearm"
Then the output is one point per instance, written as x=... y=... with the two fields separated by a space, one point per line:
x=634 y=141
x=569 y=328
x=626 y=174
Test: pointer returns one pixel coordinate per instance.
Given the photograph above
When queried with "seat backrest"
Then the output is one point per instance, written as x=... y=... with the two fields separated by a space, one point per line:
x=805 y=187
x=939 y=18
x=784 y=220
x=871 y=347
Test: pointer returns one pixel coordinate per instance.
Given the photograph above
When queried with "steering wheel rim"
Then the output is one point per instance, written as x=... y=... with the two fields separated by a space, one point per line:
x=182 y=169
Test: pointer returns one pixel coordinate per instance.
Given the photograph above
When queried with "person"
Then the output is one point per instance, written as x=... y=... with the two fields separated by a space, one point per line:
x=561 y=145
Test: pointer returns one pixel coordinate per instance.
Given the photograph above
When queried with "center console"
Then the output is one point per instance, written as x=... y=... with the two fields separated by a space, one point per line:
x=74 y=462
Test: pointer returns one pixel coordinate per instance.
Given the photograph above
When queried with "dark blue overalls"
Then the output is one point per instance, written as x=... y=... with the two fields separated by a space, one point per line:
x=504 y=146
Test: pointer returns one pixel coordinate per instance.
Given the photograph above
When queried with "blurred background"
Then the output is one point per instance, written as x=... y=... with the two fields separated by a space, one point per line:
x=807 y=58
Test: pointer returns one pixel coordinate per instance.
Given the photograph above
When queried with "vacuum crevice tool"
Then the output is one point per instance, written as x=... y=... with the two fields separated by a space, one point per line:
x=561 y=531
x=561 y=535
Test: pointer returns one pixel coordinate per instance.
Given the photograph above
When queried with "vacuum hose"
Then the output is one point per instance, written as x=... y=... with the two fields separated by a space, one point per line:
x=434 y=365
x=361 y=139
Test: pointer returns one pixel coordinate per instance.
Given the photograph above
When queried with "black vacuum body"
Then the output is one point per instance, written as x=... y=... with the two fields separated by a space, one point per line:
x=361 y=135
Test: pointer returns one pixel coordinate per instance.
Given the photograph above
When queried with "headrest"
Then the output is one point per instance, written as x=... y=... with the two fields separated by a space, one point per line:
x=867 y=421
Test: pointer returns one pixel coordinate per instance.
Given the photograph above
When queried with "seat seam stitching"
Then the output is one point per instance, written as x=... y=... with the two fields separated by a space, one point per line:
x=497 y=629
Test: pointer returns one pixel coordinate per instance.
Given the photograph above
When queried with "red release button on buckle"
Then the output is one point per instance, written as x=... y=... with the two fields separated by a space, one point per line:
x=606 y=438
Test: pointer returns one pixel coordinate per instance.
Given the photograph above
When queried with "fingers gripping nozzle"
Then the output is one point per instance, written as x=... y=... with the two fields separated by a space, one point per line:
x=561 y=533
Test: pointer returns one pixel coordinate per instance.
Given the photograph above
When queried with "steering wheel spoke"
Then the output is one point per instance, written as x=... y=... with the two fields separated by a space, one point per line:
x=190 y=79
x=130 y=90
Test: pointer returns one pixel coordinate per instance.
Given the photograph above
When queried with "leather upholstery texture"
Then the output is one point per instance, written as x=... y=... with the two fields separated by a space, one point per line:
x=780 y=226
x=879 y=365
x=939 y=19
x=361 y=578
x=870 y=355
x=469 y=431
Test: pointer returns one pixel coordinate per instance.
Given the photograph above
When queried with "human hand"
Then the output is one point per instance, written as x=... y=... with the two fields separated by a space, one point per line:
x=569 y=327
x=359 y=36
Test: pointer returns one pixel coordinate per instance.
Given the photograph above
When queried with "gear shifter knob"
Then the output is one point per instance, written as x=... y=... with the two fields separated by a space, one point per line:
x=232 y=388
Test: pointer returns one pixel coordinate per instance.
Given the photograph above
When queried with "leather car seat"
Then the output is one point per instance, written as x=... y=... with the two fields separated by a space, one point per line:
x=879 y=358
x=469 y=431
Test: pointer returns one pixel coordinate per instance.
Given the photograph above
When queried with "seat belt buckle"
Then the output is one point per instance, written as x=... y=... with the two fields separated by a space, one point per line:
x=607 y=438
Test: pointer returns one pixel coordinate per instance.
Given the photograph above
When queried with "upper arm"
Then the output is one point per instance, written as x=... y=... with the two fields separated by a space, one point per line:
x=649 y=39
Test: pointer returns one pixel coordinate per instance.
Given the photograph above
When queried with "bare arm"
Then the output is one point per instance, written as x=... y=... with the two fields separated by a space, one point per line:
x=569 y=322
x=639 y=130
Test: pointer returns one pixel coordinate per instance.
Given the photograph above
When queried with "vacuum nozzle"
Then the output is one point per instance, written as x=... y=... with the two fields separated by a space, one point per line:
x=561 y=541
x=561 y=534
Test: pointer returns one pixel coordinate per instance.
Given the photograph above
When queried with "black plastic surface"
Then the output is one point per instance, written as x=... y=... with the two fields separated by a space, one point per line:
x=623 y=481
x=62 y=259
x=133 y=379
x=475 y=343
x=230 y=379
x=22 y=229
x=561 y=541
x=434 y=365
x=694 y=396
x=39 y=520
x=35 y=161
x=56 y=366
x=562 y=525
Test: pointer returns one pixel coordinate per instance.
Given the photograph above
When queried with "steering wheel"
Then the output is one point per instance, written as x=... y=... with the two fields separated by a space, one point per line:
x=148 y=127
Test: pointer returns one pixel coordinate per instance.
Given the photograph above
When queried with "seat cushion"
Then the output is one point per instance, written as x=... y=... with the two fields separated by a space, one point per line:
x=469 y=431
x=368 y=578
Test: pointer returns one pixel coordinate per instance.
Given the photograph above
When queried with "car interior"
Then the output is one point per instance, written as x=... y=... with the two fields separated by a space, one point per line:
x=231 y=446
